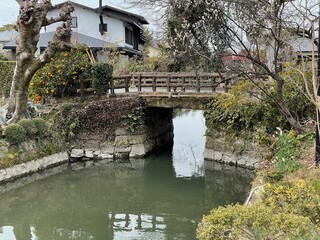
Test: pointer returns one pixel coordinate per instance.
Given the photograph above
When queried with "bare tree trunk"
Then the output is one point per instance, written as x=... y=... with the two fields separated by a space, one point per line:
x=284 y=107
x=32 y=17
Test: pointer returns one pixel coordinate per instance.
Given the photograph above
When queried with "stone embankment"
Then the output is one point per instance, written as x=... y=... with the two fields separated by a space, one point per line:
x=237 y=153
x=93 y=150
x=25 y=169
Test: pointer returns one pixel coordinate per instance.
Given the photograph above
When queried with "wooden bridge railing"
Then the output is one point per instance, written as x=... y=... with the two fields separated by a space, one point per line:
x=171 y=81
x=176 y=82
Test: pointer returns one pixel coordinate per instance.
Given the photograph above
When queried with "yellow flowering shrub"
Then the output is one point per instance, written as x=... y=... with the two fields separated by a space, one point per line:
x=297 y=198
x=255 y=222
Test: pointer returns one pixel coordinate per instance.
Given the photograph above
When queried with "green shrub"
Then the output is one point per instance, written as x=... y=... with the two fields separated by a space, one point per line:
x=29 y=126
x=41 y=126
x=15 y=134
x=237 y=111
x=101 y=76
x=255 y=222
x=6 y=73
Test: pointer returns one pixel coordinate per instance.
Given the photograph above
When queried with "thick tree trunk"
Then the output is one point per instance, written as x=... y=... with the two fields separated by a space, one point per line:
x=32 y=18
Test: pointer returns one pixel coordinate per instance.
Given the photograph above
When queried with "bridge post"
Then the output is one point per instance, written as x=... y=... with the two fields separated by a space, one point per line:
x=139 y=83
x=168 y=82
x=183 y=84
x=198 y=82
x=111 y=86
x=126 y=84
x=213 y=82
x=154 y=82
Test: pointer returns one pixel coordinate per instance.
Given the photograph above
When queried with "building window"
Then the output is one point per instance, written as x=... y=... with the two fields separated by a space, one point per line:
x=129 y=36
x=74 y=22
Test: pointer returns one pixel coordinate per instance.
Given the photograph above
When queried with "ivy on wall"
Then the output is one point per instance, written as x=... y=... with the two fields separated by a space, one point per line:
x=102 y=116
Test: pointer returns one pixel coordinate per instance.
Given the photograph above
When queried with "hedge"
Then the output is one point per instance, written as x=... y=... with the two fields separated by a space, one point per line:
x=6 y=74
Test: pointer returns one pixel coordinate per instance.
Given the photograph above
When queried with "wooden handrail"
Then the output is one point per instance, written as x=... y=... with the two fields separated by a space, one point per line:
x=172 y=82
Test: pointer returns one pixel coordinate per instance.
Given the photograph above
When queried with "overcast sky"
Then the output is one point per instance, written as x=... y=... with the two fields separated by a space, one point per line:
x=9 y=8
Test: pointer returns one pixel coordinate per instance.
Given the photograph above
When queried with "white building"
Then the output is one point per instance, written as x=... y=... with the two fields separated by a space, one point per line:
x=5 y=37
x=120 y=28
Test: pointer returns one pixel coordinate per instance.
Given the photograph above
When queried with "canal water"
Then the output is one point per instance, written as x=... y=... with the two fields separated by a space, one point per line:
x=163 y=196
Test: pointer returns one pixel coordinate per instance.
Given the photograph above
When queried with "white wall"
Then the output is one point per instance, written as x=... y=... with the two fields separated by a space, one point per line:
x=88 y=24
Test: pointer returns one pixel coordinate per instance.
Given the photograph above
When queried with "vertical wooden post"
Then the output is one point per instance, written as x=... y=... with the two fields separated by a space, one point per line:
x=198 y=82
x=139 y=83
x=126 y=84
x=112 y=86
x=226 y=86
x=133 y=83
x=168 y=83
x=183 y=84
x=213 y=82
x=154 y=84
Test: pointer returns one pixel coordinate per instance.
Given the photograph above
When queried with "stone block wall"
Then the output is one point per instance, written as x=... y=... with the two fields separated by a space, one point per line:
x=92 y=149
x=151 y=135
x=238 y=152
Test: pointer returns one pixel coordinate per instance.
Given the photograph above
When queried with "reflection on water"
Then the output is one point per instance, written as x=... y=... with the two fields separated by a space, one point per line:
x=130 y=226
x=142 y=199
x=189 y=143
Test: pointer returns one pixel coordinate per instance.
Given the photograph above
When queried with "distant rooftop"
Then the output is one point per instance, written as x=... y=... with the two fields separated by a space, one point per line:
x=8 y=35
x=303 y=45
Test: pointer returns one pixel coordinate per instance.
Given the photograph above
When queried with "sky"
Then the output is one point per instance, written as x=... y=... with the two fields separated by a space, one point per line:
x=9 y=8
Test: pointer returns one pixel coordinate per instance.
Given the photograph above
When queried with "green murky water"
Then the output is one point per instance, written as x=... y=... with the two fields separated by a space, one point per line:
x=161 y=197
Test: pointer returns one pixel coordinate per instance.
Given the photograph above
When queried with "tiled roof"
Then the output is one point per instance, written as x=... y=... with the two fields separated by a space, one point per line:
x=302 y=45
x=8 y=35
x=75 y=38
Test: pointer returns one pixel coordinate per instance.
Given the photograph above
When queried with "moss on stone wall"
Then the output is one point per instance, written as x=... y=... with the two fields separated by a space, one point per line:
x=24 y=152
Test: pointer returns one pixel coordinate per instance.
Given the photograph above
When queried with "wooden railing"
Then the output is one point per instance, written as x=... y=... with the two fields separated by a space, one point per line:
x=168 y=82
x=171 y=82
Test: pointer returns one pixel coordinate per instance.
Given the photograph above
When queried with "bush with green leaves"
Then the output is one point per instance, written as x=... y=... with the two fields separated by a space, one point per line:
x=15 y=134
x=235 y=111
x=41 y=126
x=255 y=222
x=29 y=126
x=238 y=111
x=101 y=76
x=6 y=73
